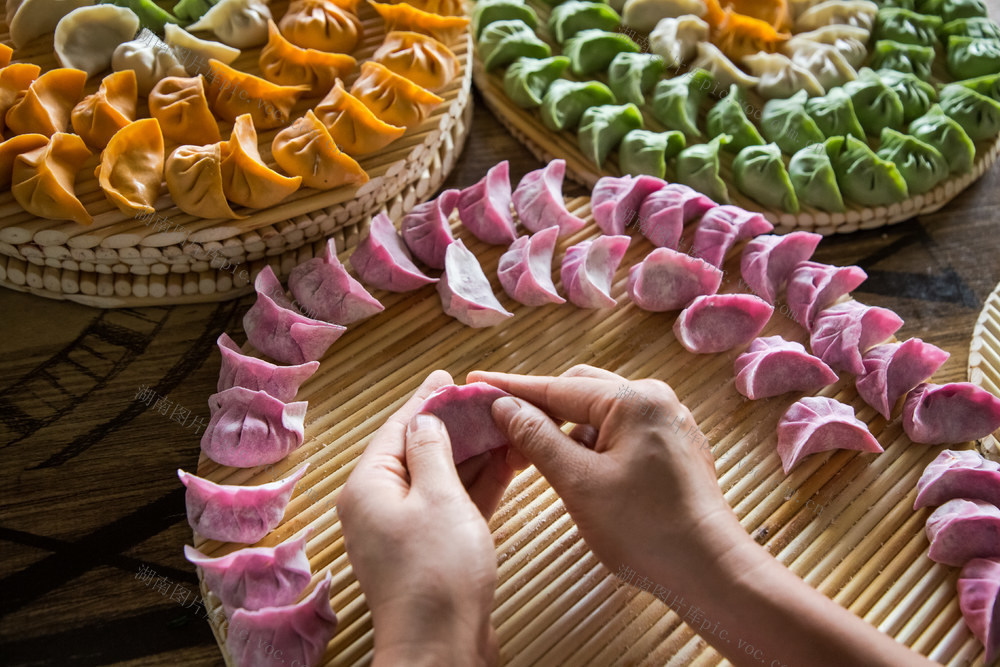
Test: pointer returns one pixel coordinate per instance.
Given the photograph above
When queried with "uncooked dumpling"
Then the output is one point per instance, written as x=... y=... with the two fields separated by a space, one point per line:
x=241 y=370
x=819 y=424
x=721 y=227
x=246 y=180
x=615 y=201
x=186 y=45
x=46 y=106
x=950 y=413
x=525 y=270
x=466 y=411
x=769 y=259
x=251 y=428
x=813 y=286
x=539 y=202
x=33 y=18
x=588 y=269
x=893 y=369
x=98 y=116
x=644 y=15
x=842 y=333
x=484 y=208
x=328 y=292
x=86 y=37
x=181 y=106
x=466 y=293
x=958 y=474
x=239 y=23
x=676 y=39
x=670 y=280
x=150 y=58
x=426 y=230
x=194 y=179
x=306 y=149
x=772 y=366
x=14 y=82
x=720 y=322
x=43 y=179
x=979 y=600
x=131 y=167
x=961 y=530
x=664 y=213
x=382 y=261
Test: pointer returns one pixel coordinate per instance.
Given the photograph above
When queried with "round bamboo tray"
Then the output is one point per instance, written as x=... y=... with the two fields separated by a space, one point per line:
x=984 y=359
x=841 y=520
x=123 y=262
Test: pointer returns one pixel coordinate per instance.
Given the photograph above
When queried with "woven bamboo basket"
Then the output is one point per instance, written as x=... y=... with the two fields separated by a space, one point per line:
x=984 y=358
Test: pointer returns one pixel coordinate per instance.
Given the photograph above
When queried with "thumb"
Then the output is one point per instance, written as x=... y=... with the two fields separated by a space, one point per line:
x=429 y=457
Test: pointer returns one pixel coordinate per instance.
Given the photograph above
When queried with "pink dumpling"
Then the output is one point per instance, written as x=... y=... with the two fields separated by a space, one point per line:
x=276 y=329
x=664 y=213
x=944 y=414
x=466 y=293
x=819 y=424
x=295 y=634
x=538 y=200
x=979 y=600
x=251 y=428
x=721 y=227
x=615 y=200
x=768 y=260
x=893 y=369
x=466 y=411
x=961 y=530
x=961 y=474
x=383 y=262
x=328 y=292
x=774 y=366
x=670 y=280
x=842 y=333
x=484 y=208
x=256 y=577
x=588 y=269
x=241 y=370
x=525 y=270
x=813 y=287
x=426 y=230
x=233 y=512
x=720 y=322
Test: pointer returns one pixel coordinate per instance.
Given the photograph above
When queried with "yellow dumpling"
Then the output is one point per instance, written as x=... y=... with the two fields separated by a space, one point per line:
x=403 y=16
x=440 y=7
x=284 y=63
x=46 y=105
x=97 y=117
x=420 y=58
x=194 y=179
x=180 y=104
x=246 y=180
x=14 y=81
x=326 y=26
x=355 y=128
x=131 y=167
x=393 y=98
x=305 y=148
x=43 y=179
x=233 y=93
x=10 y=149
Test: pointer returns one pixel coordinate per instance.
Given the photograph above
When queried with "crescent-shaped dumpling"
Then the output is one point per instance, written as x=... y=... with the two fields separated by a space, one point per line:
x=131 y=167
x=328 y=292
x=382 y=261
x=893 y=369
x=979 y=600
x=525 y=270
x=845 y=331
x=768 y=261
x=466 y=293
x=943 y=414
x=98 y=116
x=246 y=180
x=961 y=530
x=813 y=286
x=615 y=201
x=43 y=179
x=46 y=106
x=426 y=230
x=251 y=428
x=819 y=424
x=664 y=213
x=721 y=227
x=538 y=200
x=466 y=411
x=484 y=207
x=671 y=280
x=720 y=322
x=773 y=366
x=958 y=474
x=305 y=149
x=241 y=370
x=588 y=269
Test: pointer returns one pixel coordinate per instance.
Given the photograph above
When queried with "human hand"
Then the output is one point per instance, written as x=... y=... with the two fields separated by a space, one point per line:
x=418 y=542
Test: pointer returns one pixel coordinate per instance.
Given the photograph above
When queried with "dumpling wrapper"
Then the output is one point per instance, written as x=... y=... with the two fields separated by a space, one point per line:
x=671 y=280
x=466 y=411
x=98 y=116
x=306 y=149
x=664 y=213
x=525 y=270
x=382 y=261
x=979 y=600
x=46 y=106
x=484 y=208
x=466 y=293
x=256 y=577
x=893 y=369
x=773 y=366
x=131 y=167
x=328 y=292
x=43 y=179
x=246 y=180
x=944 y=414
x=588 y=269
x=252 y=428
x=14 y=82
x=958 y=474
x=86 y=37
x=721 y=227
x=615 y=201
x=720 y=322
x=274 y=328
x=234 y=512
x=241 y=370
x=818 y=424
x=181 y=106
x=843 y=332
x=538 y=200
x=768 y=260
x=194 y=180
x=299 y=633
x=426 y=230
x=813 y=287
x=961 y=530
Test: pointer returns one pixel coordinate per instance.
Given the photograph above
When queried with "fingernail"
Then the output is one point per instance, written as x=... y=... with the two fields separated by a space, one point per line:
x=425 y=421
x=506 y=406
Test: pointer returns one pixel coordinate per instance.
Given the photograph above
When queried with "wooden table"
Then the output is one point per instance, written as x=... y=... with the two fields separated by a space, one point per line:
x=99 y=408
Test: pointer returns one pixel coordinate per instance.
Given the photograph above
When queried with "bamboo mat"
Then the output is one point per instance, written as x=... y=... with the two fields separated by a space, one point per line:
x=984 y=358
x=555 y=604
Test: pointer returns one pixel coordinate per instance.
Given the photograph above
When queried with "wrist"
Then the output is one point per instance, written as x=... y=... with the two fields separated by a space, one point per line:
x=431 y=631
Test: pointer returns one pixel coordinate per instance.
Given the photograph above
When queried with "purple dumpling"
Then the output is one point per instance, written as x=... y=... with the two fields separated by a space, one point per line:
x=326 y=291
x=466 y=293
x=539 y=202
x=466 y=411
x=773 y=366
x=426 y=231
x=945 y=414
x=670 y=280
x=961 y=530
x=842 y=333
x=813 y=287
x=588 y=269
x=525 y=270
x=893 y=369
x=383 y=262
x=721 y=227
x=664 y=213
x=241 y=370
x=720 y=322
x=768 y=260
x=979 y=600
x=958 y=474
x=484 y=208
x=252 y=428
x=616 y=200
x=819 y=424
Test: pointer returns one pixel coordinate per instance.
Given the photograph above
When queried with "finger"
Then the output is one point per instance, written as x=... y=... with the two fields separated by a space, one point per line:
x=429 y=456
x=585 y=434
x=584 y=370
x=581 y=400
x=486 y=478
x=389 y=437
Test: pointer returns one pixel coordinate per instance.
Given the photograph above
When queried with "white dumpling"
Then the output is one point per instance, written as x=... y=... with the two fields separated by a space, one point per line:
x=798 y=7
x=826 y=63
x=860 y=13
x=239 y=23
x=33 y=18
x=676 y=39
x=850 y=41
x=780 y=77
x=186 y=45
x=645 y=14
x=150 y=58
x=722 y=69
x=87 y=36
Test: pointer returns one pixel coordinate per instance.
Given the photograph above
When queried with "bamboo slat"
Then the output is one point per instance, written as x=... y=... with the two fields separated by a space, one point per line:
x=984 y=357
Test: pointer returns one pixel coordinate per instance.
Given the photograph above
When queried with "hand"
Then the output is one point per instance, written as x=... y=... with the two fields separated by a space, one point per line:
x=418 y=542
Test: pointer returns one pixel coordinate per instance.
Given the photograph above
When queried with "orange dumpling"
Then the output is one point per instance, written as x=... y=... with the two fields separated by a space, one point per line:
x=773 y=12
x=97 y=117
x=6 y=53
x=305 y=148
x=439 y=7
x=393 y=98
x=194 y=179
x=14 y=81
x=246 y=180
x=233 y=93
x=46 y=105
x=284 y=63
x=179 y=103
x=10 y=149
x=404 y=16
x=355 y=128
x=421 y=59
x=326 y=26
x=740 y=35
x=131 y=167
x=43 y=179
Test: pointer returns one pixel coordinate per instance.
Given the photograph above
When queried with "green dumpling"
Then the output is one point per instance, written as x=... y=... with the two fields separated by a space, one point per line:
x=592 y=51
x=573 y=16
x=914 y=58
x=632 y=75
x=645 y=152
x=834 y=114
x=489 y=11
x=988 y=85
x=698 y=167
x=190 y=11
x=979 y=26
x=978 y=114
x=942 y=132
x=503 y=42
x=676 y=101
x=150 y=14
x=814 y=180
x=565 y=101
x=876 y=104
x=907 y=27
x=727 y=116
x=786 y=123
x=949 y=10
x=970 y=57
x=916 y=94
x=864 y=177
x=527 y=79
x=602 y=129
x=921 y=165
x=760 y=174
